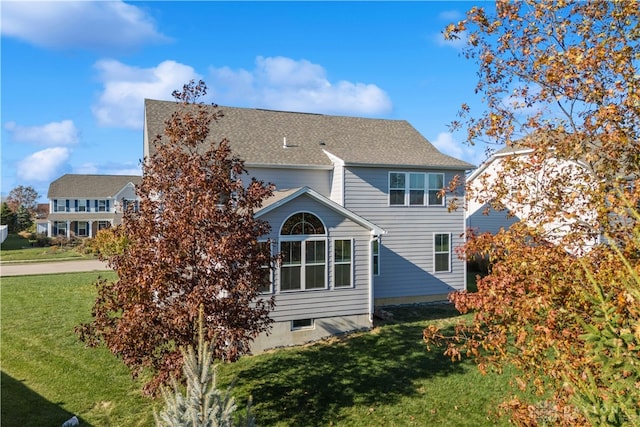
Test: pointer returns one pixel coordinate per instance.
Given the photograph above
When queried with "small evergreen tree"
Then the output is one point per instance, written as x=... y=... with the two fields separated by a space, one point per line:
x=23 y=219
x=204 y=404
x=8 y=218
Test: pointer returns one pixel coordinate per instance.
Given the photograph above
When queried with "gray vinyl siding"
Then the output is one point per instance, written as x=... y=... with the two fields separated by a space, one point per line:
x=283 y=178
x=407 y=250
x=331 y=302
x=492 y=222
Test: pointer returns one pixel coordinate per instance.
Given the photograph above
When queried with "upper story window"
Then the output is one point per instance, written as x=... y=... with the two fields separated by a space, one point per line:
x=60 y=205
x=303 y=245
x=415 y=189
x=102 y=205
x=82 y=205
x=130 y=204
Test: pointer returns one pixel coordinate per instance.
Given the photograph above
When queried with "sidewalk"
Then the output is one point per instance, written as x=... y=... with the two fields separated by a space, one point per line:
x=52 y=267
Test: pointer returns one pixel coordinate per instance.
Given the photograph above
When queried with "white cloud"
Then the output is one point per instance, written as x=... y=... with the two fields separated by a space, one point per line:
x=54 y=133
x=42 y=165
x=90 y=168
x=126 y=87
x=446 y=143
x=286 y=84
x=456 y=43
x=79 y=24
x=450 y=15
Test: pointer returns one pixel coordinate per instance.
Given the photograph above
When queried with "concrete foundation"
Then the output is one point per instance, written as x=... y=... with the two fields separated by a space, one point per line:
x=286 y=333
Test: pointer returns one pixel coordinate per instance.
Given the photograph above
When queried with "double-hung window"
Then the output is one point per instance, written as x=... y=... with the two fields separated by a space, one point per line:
x=442 y=252
x=375 y=254
x=82 y=205
x=342 y=263
x=415 y=189
x=102 y=205
x=60 y=227
x=266 y=279
x=436 y=184
x=303 y=246
x=60 y=205
x=396 y=188
x=83 y=228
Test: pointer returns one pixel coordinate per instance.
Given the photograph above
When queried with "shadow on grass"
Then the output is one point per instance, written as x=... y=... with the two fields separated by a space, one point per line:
x=310 y=386
x=21 y=406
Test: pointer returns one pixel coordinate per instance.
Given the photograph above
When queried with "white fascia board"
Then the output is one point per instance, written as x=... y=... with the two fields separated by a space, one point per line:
x=406 y=166
x=493 y=158
x=287 y=166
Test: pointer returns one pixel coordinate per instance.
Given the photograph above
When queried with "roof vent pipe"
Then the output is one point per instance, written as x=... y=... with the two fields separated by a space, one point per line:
x=284 y=142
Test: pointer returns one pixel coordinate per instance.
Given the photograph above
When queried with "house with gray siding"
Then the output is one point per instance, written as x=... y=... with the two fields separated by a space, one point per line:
x=357 y=216
x=80 y=205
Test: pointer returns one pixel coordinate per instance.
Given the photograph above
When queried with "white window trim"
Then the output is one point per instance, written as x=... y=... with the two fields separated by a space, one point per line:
x=271 y=269
x=373 y=254
x=102 y=203
x=407 y=189
x=333 y=260
x=58 y=207
x=86 y=229
x=59 y=227
x=82 y=203
x=438 y=253
x=303 y=239
x=303 y=328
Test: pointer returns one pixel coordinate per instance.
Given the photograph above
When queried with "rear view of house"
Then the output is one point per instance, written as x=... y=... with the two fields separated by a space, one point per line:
x=81 y=205
x=357 y=215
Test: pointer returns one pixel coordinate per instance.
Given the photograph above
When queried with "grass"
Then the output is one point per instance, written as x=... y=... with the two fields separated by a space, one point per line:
x=384 y=377
x=18 y=249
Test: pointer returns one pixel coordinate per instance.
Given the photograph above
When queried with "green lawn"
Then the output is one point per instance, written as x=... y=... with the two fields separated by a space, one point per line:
x=380 y=378
x=18 y=249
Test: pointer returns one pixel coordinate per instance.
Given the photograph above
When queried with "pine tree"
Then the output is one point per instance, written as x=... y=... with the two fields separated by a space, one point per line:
x=8 y=218
x=204 y=405
x=23 y=219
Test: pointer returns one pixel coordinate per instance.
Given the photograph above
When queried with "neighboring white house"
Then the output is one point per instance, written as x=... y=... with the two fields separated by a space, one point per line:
x=356 y=214
x=81 y=205
x=533 y=192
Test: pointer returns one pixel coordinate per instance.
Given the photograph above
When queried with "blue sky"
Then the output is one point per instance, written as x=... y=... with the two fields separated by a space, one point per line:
x=74 y=74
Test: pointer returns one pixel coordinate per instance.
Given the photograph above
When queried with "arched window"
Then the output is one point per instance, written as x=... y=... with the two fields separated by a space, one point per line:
x=303 y=244
x=302 y=223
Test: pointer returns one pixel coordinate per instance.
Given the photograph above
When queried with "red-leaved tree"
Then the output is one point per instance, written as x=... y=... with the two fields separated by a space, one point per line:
x=193 y=244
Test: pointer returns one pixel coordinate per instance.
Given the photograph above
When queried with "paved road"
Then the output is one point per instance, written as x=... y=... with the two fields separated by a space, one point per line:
x=51 y=267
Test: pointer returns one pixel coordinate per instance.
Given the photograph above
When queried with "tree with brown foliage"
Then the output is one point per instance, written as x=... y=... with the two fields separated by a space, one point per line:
x=193 y=242
x=25 y=196
x=559 y=81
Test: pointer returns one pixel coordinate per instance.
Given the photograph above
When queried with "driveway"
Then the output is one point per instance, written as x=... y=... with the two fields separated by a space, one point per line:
x=52 y=267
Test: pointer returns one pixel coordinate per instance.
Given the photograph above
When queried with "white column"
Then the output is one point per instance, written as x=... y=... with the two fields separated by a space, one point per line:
x=68 y=229
x=90 y=229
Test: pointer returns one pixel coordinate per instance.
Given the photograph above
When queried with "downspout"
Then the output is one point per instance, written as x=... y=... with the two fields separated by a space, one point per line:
x=371 y=299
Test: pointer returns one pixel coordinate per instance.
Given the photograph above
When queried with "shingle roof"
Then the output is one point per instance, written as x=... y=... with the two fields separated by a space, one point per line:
x=257 y=136
x=90 y=186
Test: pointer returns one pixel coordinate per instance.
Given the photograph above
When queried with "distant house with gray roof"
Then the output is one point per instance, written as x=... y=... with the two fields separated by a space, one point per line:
x=357 y=214
x=81 y=205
